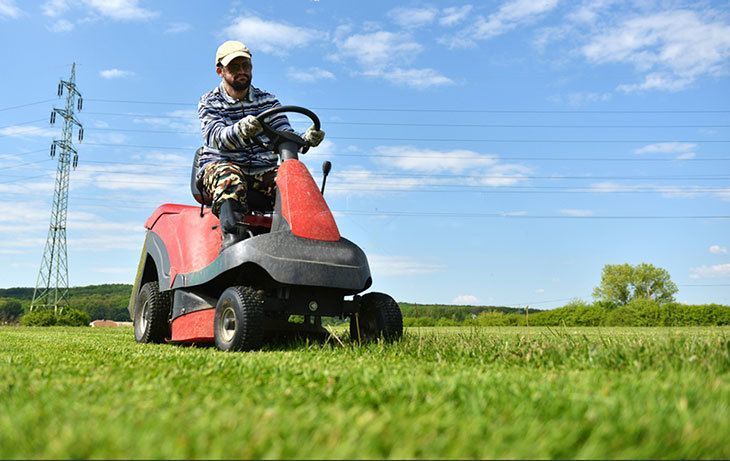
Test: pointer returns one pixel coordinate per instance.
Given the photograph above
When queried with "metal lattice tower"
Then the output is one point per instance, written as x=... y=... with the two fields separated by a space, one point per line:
x=51 y=288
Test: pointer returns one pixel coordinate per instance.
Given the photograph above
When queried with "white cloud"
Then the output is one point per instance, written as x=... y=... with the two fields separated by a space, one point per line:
x=673 y=48
x=429 y=160
x=378 y=50
x=121 y=10
x=311 y=75
x=54 y=8
x=510 y=15
x=109 y=241
x=589 y=12
x=178 y=27
x=718 y=250
x=722 y=193
x=454 y=15
x=9 y=10
x=468 y=300
x=715 y=271
x=169 y=159
x=540 y=291
x=414 y=78
x=382 y=54
x=485 y=170
x=661 y=81
x=581 y=98
x=95 y=137
x=184 y=120
x=116 y=73
x=684 y=150
x=24 y=212
x=62 y=25
x=393 y=266
x=413 y=17
x=129 y=177
x=360 y=181
x=27 y=131
x=269 y=36
x=576 y=213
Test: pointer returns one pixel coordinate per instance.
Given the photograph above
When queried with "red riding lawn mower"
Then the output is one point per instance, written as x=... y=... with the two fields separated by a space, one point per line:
x=293 y=263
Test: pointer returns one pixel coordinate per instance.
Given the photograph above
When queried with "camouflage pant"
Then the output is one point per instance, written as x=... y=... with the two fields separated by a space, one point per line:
x=223 y=181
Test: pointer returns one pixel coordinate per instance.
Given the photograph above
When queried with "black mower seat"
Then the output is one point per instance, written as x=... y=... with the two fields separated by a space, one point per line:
x=256 y=200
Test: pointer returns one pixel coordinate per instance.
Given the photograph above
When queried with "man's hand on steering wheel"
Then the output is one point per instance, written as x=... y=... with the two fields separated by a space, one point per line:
x=248 y=127
x=312 y=137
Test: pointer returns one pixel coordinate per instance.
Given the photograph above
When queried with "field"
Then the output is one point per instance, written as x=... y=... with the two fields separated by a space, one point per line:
x=440 y=393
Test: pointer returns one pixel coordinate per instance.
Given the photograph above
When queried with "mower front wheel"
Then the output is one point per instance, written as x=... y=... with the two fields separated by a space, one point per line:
x=151 y=314
x=379 y=316
x=239 y=320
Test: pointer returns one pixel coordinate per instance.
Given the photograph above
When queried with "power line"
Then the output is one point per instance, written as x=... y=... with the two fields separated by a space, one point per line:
x=498 y=215
x=22 y=123
x=369 y=174
x=26 y=105
x=439 y=125
x=6 y=155
x=510 y=216
x=441 y=110
x=450 y=188
x=373 y=138
x=191 y=149
x=395 y=175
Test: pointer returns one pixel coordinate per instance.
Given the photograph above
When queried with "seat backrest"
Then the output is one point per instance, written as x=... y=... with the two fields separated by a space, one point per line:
x=194 y=186
x=257 y=201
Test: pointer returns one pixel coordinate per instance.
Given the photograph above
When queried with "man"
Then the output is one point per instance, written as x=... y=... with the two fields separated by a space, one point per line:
x=231 y=164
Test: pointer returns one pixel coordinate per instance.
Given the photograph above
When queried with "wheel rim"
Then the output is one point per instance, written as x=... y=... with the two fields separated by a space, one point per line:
x=144 y=316
x=227 y=325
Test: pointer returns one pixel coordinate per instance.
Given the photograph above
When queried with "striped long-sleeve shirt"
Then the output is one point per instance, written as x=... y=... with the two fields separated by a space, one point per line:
x=218 y=112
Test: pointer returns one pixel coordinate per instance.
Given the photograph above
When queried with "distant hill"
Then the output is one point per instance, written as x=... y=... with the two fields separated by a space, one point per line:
x=454 y=312
x=109 y=302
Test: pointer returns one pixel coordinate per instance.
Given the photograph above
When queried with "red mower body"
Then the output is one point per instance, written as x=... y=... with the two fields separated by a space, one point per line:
x=183 y=245
x=291 y=260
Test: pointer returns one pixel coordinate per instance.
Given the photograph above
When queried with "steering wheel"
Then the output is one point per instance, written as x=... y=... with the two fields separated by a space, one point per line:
x=278 y=136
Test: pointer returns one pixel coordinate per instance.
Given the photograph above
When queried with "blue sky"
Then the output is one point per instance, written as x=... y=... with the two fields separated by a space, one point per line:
x=497 y=152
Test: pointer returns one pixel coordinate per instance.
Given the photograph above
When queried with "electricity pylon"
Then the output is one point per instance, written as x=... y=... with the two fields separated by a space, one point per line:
x=51 y=289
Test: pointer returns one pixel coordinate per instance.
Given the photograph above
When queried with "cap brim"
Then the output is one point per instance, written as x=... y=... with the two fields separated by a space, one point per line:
x=236 y=54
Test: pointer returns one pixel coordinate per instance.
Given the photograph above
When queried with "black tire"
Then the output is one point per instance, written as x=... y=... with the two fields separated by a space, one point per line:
x=239 y=320
x=380 y=316
x=151 y=314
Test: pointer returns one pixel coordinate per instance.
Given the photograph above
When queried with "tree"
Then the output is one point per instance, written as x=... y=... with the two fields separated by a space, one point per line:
x=10 y=311
x=622 y=283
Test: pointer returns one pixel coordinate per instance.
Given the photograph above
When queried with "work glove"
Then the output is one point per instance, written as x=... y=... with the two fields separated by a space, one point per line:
x=248 y=127
x=313 y=137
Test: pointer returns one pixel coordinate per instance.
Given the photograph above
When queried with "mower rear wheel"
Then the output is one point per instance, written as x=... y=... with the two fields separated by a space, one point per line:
x=151 y=314
x=379 y=316
x=239 y=319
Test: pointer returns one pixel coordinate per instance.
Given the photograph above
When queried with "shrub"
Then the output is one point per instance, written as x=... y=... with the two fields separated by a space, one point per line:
x=10 y=311
x=73 y=318
x=418 y=322
x=38 y=318
x=640 y=312
x=47 y=318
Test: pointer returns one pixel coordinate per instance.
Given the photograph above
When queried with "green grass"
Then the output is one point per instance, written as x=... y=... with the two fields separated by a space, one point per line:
x=440 y=393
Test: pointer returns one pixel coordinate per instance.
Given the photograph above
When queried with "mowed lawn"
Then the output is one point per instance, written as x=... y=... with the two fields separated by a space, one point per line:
x=440 y=393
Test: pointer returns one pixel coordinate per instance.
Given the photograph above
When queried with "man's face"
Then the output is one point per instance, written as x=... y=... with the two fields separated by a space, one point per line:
x=237 y=73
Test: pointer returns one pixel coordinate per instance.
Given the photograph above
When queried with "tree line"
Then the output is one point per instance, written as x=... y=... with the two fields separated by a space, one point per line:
x=640 y=295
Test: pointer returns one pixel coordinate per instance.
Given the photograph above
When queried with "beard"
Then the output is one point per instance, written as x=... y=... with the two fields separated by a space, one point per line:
x=239 y=84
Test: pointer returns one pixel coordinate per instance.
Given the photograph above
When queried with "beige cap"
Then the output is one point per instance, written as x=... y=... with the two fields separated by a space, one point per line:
x=231 y=50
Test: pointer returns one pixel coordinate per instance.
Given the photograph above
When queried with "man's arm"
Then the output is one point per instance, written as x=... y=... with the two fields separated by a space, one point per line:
x=216 y=132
